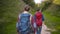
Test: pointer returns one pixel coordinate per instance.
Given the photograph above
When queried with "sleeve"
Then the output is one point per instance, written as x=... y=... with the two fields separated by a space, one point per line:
x=42 y=18
x=18 y=20
x=16 y=25
x=30 y=18
x=33 y=19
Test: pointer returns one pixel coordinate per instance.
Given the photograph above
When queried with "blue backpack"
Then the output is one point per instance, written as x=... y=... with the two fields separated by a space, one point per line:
x=24 y=23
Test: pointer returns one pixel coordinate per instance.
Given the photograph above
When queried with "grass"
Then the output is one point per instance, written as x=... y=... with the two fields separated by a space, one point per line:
x=11 y=29
x=52 y=22
x=10 y=16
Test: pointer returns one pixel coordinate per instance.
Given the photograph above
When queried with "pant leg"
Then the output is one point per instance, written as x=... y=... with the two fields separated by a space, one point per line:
x=35 y=31
x=39 y=30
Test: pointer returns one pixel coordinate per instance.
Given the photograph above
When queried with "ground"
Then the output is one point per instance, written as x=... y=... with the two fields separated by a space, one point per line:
x=45 y=30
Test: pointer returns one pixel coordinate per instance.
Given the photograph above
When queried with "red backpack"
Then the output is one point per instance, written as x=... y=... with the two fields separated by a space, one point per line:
x=38 y=19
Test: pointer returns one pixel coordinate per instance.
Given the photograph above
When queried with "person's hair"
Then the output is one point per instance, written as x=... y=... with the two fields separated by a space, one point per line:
x=38 y=9
x=27 y=8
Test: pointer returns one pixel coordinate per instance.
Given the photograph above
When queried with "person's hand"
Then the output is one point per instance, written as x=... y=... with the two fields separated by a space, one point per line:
x=18 y=33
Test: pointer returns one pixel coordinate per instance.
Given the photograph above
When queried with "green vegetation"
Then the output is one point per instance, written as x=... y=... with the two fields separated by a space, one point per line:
x=52 y=16
x=9 y=10
x=52 y=22
x=30 y=2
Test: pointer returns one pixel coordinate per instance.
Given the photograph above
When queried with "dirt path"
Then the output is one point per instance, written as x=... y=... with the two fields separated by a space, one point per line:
x=44 y=30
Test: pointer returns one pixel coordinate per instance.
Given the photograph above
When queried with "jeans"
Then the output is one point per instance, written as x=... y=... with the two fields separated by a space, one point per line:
x=38 y=30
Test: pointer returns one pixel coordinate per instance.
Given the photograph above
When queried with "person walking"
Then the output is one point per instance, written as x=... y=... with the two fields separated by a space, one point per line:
x=38 y=20
x=24 y=21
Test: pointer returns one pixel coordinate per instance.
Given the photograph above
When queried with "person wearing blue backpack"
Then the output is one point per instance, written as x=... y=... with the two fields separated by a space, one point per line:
x=24 y=21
